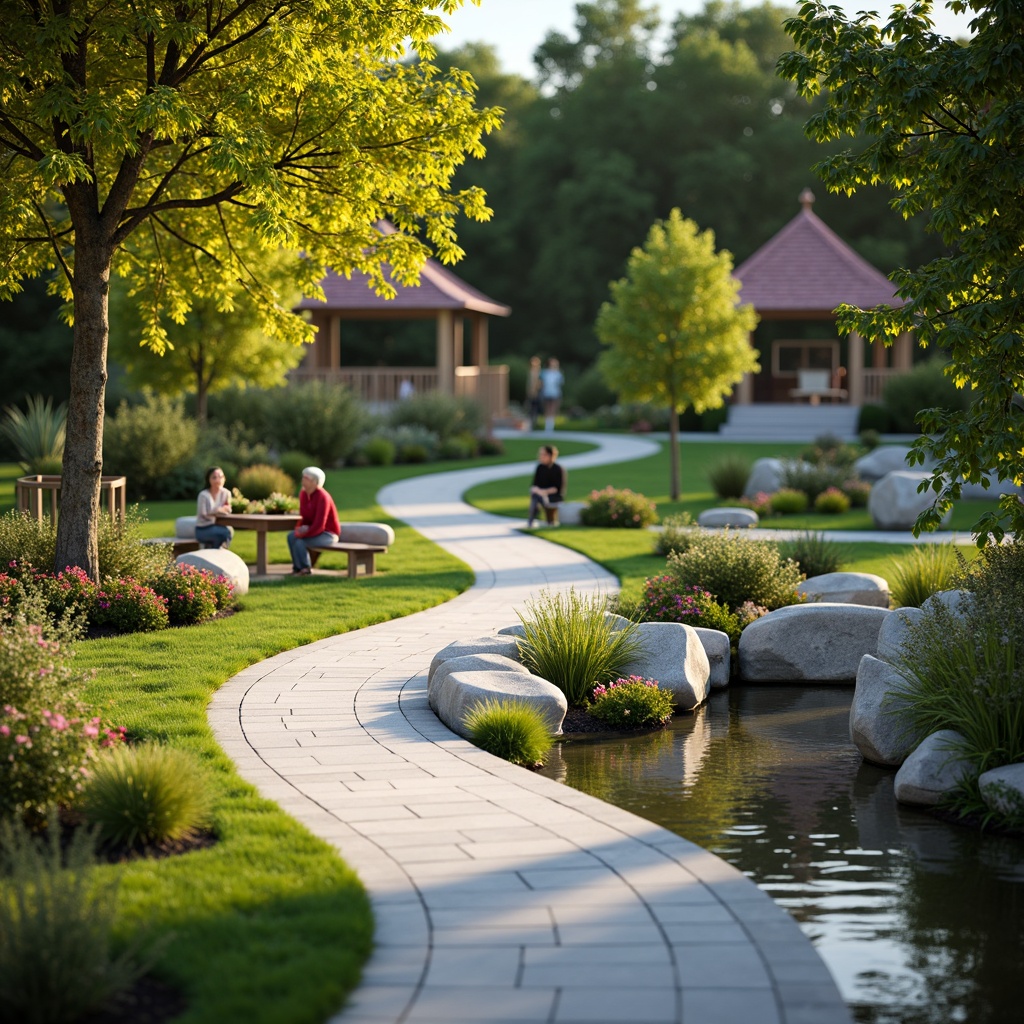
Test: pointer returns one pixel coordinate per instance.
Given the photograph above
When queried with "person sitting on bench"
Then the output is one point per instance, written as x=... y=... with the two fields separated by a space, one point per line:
x=548 y=487
x=216 y=498
x=319 y=523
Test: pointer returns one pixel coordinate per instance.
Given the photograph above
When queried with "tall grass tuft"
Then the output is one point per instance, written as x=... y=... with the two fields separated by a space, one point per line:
x=140 y=796
x=38 y=434
x=676 y=534
x=510 y=729
x=728 y=476
x=572 y=641
x=56 y=918
x=917 y=575
x=815 y=555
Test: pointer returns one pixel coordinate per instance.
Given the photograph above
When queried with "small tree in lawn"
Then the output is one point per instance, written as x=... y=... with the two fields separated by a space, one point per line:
x=674 y=332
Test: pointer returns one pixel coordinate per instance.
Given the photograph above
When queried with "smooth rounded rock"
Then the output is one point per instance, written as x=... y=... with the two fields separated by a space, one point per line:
x=957 y=603
x=847 y=588
x=673 y=654
x=1002 y=789
x=469 y=663
x=569 y=512
x=810 y=643
x=895 y=502
x=882 y=460
x=377 y=534
x=462 y=691
x=933 y=770
x=739 y=518
x=879 y=725
x=896 y=632
x=765 y=477
x=185 y=527
x=222 y=562
x=506 y=646
x=717 y=648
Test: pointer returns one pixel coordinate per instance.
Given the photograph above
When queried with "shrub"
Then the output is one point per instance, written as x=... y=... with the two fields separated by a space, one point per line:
x=729 y=476
x=813 y=554
x=57 y=916
x=510 y=729
x=631 y=703
x=828 y=450
x=571 y=641
x=869 y=439
x=761 y=503
x=37 y=435
x=323 y=419
x=589 y=390
x=25 y=541
x=749 y=612
x=441 y=414
x=874 y=418
x=146 y=443
x=413 y=453
x=457 y=448
x=788 y=501
x=121 y=550
x=189 y=592
x=832 y=502
x=921 y=572
x=664 y=601
x=126 y=606
x=421 y=442
x=676 y=534
x=925 y=387
x=813 y=478
x=379 y=451
x=858 y=491
x=623 y=508
x=147 y=795
x=491 y=445
x=735 y=569
x=261 y=481
x=293 y=463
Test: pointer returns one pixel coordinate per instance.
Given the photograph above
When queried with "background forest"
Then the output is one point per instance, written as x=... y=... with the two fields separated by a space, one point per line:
x=619 y=124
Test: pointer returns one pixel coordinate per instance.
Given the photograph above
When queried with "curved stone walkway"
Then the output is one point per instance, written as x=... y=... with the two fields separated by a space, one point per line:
x=501 y=896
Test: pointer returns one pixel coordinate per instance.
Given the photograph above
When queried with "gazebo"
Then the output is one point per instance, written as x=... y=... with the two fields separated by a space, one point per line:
x=802 y=273
x=440 y=296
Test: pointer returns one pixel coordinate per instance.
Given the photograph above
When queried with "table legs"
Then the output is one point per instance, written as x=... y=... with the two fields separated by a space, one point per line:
x=261 y=553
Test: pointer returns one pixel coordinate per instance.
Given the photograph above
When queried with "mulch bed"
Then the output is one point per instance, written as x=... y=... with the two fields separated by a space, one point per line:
x=580 y=723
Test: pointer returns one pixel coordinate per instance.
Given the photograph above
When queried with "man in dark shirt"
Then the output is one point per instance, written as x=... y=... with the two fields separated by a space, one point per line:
x=548 y=482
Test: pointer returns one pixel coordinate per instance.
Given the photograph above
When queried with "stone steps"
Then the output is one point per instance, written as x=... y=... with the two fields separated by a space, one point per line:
x=785 y=422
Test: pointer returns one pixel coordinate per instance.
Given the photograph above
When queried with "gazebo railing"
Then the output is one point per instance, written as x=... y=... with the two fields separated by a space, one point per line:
x=875 y=381
x=39 y=495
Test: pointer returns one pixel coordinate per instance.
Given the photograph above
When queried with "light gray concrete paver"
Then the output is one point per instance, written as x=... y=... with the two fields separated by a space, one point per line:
x=501 y=897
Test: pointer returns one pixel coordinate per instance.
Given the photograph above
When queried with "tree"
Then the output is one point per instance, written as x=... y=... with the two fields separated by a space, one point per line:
x=674 y=332
x=151 y=139
x=946 y=127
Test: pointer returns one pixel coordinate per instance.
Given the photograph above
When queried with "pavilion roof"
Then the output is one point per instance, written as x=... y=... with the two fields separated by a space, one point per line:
x=439 y=289
x=807 y=268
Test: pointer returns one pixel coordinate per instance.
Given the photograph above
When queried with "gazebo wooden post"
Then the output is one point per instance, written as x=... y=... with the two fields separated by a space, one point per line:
x=855 y=374
x=446 y=352
x=478 y=340
x=903 y=352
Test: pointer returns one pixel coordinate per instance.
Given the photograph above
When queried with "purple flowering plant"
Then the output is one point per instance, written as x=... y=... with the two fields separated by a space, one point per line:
x=631 y=702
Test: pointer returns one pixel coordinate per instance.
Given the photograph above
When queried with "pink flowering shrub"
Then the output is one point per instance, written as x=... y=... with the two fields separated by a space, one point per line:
x=11 y=591
x=631 y=702
x=832 y=501
x=192 y=594
x=48 y=736
x=761 y=503
x=858 y=491
x=127 y=606
x=622 y=508
x=665 y=600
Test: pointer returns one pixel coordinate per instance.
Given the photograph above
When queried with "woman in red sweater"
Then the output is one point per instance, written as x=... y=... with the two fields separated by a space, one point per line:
x=319 y=520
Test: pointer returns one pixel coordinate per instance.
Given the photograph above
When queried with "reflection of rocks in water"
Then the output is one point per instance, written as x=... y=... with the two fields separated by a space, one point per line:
x=695 y=747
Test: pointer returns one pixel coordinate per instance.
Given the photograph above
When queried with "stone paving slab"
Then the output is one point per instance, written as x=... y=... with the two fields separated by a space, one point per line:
x=500 y=896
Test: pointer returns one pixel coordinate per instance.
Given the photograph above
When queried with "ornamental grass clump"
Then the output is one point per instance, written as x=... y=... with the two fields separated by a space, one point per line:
x=921 y=572
x=618 y=508
x=728 y=476
x=788 y=501
x=146 y=795
x=631 y=703
x=571 y=640
x=735 y=569
x=510 y=729
x=832 y=502
x=815 y=555
x=37 y=435
x=57 y=914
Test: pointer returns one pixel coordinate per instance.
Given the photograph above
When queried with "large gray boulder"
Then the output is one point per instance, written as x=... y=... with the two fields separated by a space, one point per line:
x=673 y=654
x=934 y=769
x=846 y=588
x=821 y=643
x=469 y=663
x=506 y=646
x=895 y=503
x=895 y=633
x=883 y=460
x=460 y=692
x=957 y=602
x=221 y=562
x=879 y=725
x=765 y=477
x=716 y=647
x=1002 y=789
x=737 y=518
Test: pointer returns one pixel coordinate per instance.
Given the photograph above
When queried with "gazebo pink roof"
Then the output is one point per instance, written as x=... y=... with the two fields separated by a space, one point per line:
x=806 y=268
x=439 y=289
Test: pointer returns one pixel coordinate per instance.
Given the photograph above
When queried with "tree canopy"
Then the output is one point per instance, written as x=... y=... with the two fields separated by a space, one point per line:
x=674 y=332
x=148 y=140
x=945 y=127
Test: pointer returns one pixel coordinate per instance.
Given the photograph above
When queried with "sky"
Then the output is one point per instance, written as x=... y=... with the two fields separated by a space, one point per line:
x=516 y=27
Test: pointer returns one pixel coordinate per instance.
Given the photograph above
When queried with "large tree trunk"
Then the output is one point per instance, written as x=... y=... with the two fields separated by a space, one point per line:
x=673 y=453
x=83 y=448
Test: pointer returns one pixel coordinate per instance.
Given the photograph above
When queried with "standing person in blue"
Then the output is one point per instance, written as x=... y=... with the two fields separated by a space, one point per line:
x=548 y=487
x=319 y=520
x=551 y=381
x=214 y=499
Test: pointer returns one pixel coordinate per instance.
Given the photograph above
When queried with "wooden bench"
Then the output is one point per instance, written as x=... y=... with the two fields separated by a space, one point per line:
x=360 y=556
x=179 y=545
x=814 y=385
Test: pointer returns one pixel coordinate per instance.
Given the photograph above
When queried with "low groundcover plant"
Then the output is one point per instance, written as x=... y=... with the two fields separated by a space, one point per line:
x=631 y=703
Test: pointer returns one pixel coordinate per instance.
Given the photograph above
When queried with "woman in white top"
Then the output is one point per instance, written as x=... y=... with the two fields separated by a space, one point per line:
x=551 y=381
x=214 y=499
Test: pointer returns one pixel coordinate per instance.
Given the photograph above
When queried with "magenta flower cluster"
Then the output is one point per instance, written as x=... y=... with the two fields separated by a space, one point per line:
x=665 y=601
x=622 y=508
x=600 y=690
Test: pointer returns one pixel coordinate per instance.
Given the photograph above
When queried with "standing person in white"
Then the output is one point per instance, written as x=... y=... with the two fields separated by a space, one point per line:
x=551 y=381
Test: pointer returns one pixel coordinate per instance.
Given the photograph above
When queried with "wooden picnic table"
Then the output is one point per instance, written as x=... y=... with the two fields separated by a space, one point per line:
x=263 y=523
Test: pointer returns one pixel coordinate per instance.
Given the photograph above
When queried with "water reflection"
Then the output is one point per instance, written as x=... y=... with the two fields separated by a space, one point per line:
x=920 y=922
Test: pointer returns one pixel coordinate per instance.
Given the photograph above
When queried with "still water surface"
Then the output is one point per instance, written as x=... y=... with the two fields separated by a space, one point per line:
x=920 y=922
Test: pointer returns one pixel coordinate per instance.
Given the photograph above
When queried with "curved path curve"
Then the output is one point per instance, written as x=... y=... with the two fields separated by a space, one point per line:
x=501 y=896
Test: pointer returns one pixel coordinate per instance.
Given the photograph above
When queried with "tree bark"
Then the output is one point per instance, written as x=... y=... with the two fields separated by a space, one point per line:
x=673 y=452
x=83 y=448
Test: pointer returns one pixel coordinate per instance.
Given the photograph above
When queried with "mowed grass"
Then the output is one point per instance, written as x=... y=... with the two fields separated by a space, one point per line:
x=269 y=925
x=650 y=476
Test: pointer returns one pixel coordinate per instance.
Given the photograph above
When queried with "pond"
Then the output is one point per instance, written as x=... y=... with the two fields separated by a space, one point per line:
x=919 y=921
